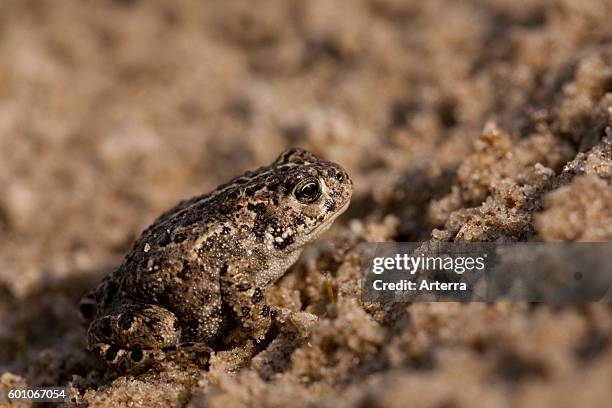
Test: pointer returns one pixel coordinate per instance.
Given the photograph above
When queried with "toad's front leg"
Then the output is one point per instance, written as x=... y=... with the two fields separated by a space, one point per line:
x=247 y=300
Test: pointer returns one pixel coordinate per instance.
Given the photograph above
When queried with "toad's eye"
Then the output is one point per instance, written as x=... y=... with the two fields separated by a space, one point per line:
x=339 y=176
x=307 y=190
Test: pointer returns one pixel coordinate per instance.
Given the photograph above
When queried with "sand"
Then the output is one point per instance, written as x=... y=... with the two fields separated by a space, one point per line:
x=458 y=121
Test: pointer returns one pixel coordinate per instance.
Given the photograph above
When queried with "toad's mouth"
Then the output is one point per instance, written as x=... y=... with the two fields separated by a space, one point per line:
x=327 y=223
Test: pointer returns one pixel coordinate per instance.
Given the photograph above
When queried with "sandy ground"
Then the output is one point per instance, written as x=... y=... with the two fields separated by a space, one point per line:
x=458 y=121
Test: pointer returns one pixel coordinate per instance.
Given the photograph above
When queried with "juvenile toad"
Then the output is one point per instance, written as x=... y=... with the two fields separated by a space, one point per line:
x=201 y=270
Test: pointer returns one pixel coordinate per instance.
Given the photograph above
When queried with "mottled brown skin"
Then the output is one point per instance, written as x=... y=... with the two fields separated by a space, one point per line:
x=201 y=270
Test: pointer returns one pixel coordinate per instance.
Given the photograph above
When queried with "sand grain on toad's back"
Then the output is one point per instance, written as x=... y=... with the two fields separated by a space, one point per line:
x=196 y=278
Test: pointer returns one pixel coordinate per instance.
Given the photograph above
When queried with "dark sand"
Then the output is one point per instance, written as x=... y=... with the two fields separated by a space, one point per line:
x=458 y=121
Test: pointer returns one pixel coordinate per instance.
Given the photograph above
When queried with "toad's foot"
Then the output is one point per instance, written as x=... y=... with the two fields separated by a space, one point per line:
x=137 y=360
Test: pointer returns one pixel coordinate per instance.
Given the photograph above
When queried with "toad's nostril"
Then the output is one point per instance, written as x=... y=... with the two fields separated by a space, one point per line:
x=340 y=176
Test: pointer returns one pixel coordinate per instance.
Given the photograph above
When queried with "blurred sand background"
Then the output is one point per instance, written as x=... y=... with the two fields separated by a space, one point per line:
x=475 y=120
